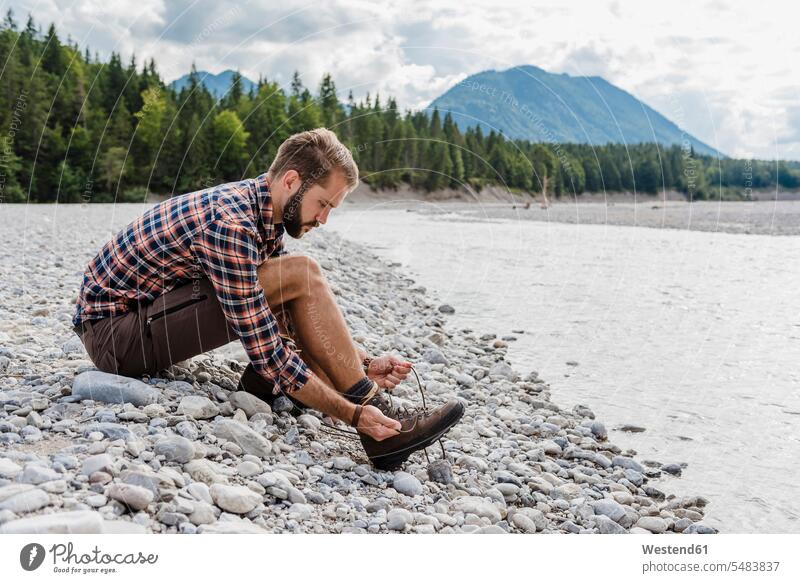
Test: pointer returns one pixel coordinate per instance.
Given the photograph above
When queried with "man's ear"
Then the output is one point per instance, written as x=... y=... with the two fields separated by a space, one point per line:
x=291 y=179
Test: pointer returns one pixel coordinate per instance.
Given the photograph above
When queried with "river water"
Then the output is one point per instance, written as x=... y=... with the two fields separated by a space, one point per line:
x=694 y=336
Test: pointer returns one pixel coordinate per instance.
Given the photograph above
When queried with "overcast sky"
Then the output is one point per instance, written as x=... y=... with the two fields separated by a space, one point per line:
x=725 y=71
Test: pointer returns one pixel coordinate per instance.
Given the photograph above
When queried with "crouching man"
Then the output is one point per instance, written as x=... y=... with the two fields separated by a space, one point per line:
x=208 y=267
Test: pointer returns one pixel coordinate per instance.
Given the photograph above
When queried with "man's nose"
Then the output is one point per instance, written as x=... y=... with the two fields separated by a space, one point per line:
x=323 y=217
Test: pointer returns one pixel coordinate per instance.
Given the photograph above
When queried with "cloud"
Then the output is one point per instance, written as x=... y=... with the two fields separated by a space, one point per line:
x=735 y=81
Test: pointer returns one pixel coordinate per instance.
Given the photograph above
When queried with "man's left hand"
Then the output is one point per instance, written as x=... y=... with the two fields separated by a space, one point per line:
x=388 y=371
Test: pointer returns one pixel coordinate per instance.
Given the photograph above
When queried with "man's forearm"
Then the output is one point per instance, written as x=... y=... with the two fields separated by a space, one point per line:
x=321 y=397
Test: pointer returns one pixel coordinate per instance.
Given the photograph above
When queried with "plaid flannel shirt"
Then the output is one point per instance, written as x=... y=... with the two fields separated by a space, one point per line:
x=223 y=233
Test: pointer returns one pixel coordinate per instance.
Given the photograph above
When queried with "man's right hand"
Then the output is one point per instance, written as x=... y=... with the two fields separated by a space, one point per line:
x=377 y=425
x=321 y=397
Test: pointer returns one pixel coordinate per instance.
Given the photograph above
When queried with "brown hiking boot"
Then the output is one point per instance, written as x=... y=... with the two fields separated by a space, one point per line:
x=418 y=430
x=253 y=383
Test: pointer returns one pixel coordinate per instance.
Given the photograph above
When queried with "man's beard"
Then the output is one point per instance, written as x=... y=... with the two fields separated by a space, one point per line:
x=291 y=215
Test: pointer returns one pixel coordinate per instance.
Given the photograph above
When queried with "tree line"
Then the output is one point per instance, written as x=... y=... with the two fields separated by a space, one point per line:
x=76 y=129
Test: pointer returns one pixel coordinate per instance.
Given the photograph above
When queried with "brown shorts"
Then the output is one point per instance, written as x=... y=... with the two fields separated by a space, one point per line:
x=182 y=323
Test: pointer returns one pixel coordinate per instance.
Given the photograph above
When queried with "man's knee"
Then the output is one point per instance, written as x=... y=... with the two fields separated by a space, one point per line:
x=309 y=265
x=289 y=277
x=307 y=269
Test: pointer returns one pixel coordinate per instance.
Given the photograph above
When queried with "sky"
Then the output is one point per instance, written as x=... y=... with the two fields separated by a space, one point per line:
x=727 y=72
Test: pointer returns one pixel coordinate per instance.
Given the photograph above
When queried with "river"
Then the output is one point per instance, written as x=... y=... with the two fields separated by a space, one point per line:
x=694 y=336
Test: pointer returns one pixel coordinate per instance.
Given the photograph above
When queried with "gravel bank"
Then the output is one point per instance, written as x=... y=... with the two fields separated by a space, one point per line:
x=780 y=217
x=185 y=453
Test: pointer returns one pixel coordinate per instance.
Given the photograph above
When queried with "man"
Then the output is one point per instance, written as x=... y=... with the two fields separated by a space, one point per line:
x=202 y=269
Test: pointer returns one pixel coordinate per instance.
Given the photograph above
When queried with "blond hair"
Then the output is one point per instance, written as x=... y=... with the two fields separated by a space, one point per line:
x=313 y=154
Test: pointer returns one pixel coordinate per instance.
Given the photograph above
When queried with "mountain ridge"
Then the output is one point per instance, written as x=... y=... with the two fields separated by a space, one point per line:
x=217 y=84
x=529 y=103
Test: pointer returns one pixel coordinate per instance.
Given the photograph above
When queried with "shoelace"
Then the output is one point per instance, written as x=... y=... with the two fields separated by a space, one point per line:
x=403 y=410
x=400 y=412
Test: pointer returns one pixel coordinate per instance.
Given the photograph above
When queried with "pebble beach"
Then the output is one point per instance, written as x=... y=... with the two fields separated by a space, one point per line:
x=86 y=452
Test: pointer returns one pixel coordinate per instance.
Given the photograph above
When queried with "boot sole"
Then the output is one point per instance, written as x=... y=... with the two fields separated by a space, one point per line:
x=394 y=460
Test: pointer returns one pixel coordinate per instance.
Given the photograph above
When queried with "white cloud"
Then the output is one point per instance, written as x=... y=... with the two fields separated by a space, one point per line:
x=731 y=72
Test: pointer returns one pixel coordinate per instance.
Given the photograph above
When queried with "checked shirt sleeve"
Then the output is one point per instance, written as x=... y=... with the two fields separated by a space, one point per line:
x=229 y=256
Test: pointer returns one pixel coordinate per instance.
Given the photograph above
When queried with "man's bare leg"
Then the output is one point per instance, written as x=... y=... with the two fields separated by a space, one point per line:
x=297 y=283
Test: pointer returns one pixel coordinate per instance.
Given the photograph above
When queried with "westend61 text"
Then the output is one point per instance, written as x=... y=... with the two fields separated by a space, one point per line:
x=675 y=550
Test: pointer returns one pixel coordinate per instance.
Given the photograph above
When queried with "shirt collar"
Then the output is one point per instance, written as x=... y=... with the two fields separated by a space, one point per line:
x=265 y=210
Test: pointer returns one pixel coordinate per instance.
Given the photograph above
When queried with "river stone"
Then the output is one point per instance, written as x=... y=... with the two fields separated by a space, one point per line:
x=300 y=511
x=142 y=478
x=477 y=506
x=654 y=524
x=134 y=497
x=440 y=471
x=568 y=491
x=503 y=369
x=26 y=501
x=175 y=449
x=97 y=463
x=626 y=463
x=203 y=513
x=435 y=356
x=472 y=462
x=398 y=518
x=231 y=527
x=249 y=403
x=634 y=477
x=599 y=430
x=205 y=471
x=111 y=431
x=534 y=515
x=248 y=469
x=406 y=484
x=607 y=507
x=198 y=407
x=309 y=422
x=236 y=499
x=282 y=404
x=73 y=346
x=122 y=527
x=491 y=529
x=698 y=528
x=76 y=522
x=8 y=469
x=607 y=526
x=36 y=474
x=200 y=491
x=242 y=435
x=96 y=500
x=111 y=388
x=523 y=523
x=13 y=489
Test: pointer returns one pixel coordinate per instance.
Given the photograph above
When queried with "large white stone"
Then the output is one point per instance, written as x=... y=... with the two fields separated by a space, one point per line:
x=77 y=522
x=198 y=407
x=243 y=436
x=236 y=499
x=111 y=388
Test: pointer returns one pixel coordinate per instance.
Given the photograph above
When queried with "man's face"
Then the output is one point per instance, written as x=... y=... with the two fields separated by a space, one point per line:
x=309 y=209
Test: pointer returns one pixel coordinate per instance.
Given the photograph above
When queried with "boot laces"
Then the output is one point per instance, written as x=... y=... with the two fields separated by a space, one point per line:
x=384 y=402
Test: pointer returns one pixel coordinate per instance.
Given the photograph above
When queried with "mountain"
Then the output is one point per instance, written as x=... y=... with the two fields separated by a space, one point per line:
x=529 y=103
x=218 y=85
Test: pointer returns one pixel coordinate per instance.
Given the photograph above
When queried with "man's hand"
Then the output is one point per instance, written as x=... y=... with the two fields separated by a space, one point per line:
x=388 y=371
x=377 y=425
x=320 y=396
